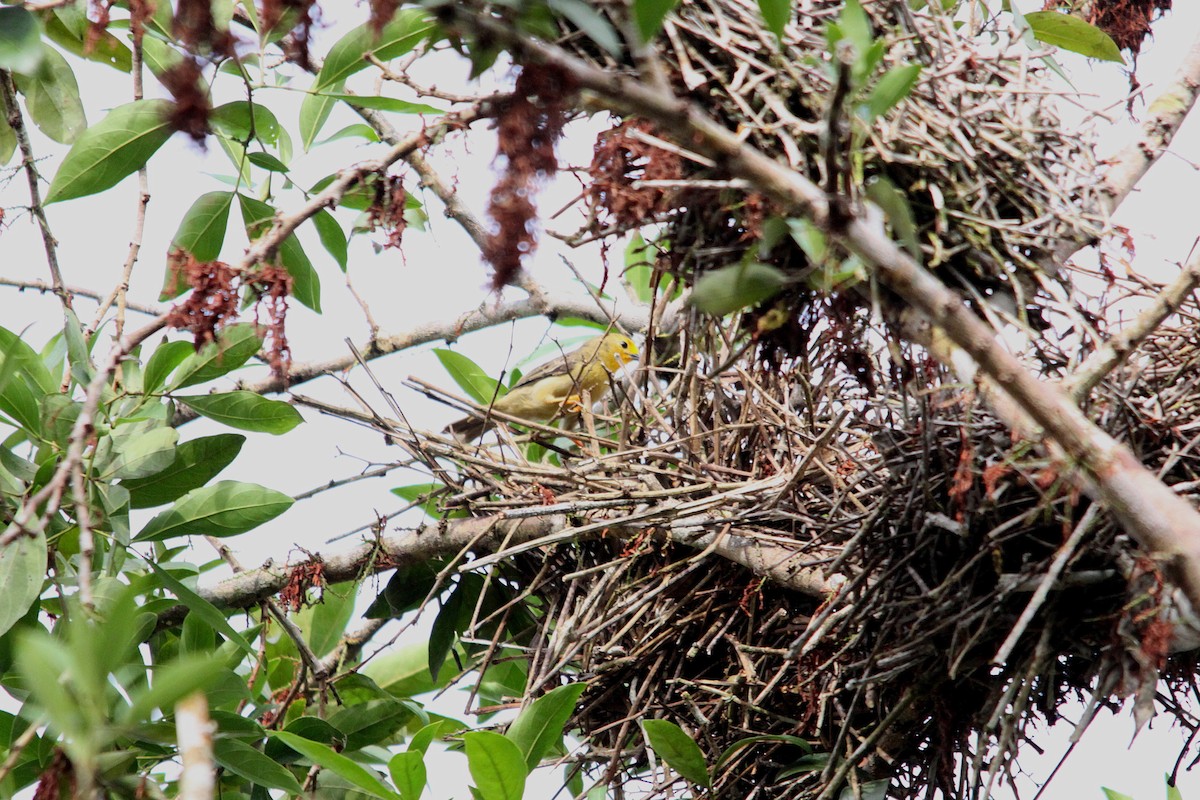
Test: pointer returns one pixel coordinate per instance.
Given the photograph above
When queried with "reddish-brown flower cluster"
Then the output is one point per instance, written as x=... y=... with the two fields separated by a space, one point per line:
x=213 y=303
x=619 y=160
x=387 y=212
x=530 y=122
x=189 y=114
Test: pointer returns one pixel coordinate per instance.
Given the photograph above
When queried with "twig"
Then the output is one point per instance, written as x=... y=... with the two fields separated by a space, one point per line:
x=314 y=664
x=1112 y=353
x=1064 y=554
x=16 y=121
x=120 y=293
x=78 y=291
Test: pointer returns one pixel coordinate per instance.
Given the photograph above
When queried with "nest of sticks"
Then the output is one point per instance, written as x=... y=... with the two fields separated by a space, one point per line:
x=803 y=541
x=854 y=584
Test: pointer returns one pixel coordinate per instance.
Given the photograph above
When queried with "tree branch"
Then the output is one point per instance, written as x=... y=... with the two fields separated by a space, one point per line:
x=512 y=530
x=1112 y=353
x=12 y=111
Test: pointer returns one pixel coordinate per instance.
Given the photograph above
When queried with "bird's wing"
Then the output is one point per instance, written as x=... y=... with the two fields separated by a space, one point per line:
x=552 y=368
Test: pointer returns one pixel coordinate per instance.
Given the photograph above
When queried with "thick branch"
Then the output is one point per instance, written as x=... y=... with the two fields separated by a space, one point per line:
x=1161 y=521
x=1163 y=118
x=779 y=564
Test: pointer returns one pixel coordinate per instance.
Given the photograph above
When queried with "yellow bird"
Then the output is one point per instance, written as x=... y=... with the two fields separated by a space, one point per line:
x=556 y=387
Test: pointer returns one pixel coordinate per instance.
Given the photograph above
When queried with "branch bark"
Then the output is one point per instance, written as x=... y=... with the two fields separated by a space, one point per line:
x=515 y=533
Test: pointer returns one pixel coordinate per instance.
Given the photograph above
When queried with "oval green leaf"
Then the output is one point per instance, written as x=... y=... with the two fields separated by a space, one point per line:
x=679 y=750
x=244 y=761
x=116 y=146
x=223 y=509
x=196 y=463
x=20 y=40
x=1072 y=33
x=246 y=411
x=202 y=230
x=496 y=765
x=338 y=764
x=52 y=98
x=725 y=290
x=470 y=377
x=234 y=346
x=22 y=569
x=540 y=727
x=408 y=773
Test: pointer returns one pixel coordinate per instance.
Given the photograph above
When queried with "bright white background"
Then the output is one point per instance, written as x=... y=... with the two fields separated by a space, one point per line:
x=439 y=276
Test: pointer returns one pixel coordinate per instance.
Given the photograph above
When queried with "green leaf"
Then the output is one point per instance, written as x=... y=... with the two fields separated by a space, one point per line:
x=856 y=26
x=496 y=765
x=470 y=377
x=235 y=345
x=678 y=749
x=306 y=286
x=330 y=617
x=649 y=16
x=244 y=761
x=591 y=23
x=201 y=232
x=404 y=671
x=895 y=85
x=25 y=359
x=20 y=40
x=198 y=605
x=373 y=722
x=1073 y=34
x=247 y=411
x=408 y=773
x=52 y=97
x=103 y=48
x=380 y=103
x=338 y=764
x=333 y=238
x=113 y=148
x=725 y=290
x=408 y=586
x=1113 y=794
x=357 y=130
x=224 y=509
x=540 y=727
x=244 y=121
x=172 y=682
x=141 y=453
x=776 y=14
x=899 y=213
x=348 y=56
x=43 y=662
x=162 y=362
x=740 y=744
x=267 y=162
x=196 y=463
x=22 y=570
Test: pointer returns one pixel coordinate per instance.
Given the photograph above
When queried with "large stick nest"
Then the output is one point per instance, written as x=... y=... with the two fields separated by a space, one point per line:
x=905 y=531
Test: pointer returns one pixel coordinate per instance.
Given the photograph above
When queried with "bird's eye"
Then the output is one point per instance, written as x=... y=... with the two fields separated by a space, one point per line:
x=625 y=345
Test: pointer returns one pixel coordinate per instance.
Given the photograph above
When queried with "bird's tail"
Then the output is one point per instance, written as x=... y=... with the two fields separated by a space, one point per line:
x=468 y=428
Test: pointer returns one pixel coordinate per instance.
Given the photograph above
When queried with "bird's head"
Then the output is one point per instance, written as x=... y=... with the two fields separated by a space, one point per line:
x=616 y=350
